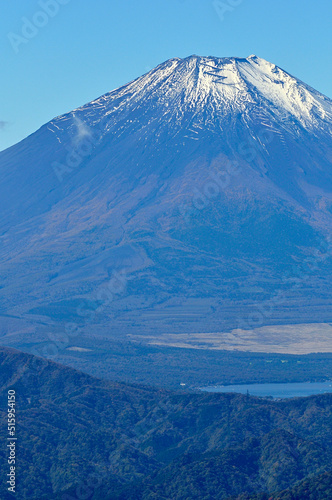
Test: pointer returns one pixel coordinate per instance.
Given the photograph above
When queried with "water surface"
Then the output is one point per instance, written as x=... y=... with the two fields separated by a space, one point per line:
x=287 y=390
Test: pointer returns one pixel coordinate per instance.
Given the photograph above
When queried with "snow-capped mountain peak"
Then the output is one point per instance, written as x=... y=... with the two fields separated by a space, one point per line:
x=206 y=180
x=214 y=87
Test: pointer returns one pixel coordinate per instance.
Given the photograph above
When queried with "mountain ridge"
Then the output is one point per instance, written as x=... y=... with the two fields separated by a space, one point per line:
x=115 y=441
x=195 y=193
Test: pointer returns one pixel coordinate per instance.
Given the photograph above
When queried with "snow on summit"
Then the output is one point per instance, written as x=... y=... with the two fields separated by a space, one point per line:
x=205 y=181
x=215 y=87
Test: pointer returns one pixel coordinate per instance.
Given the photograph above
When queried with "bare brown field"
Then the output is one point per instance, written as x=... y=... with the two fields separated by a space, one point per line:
x=283 y=339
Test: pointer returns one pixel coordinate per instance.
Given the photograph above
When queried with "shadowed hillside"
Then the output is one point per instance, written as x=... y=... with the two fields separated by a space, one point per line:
x=122 y=441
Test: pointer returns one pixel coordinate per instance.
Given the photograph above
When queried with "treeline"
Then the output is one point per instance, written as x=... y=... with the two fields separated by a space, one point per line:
x=88 y=438
x=168 y=367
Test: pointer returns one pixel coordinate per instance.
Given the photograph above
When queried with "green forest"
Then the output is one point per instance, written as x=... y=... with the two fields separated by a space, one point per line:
x=82 y=437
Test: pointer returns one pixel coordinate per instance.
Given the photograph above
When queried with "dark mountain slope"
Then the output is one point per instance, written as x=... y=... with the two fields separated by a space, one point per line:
x=125 y=441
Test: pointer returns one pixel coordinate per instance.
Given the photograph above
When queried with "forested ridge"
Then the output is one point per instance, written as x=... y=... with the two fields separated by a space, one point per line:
x=104 y=440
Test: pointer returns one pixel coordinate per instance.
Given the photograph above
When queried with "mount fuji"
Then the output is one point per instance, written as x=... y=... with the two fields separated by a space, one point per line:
x=197 y=198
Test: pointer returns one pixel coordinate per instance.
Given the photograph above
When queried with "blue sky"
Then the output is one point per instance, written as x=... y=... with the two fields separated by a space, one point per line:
x=81 y=49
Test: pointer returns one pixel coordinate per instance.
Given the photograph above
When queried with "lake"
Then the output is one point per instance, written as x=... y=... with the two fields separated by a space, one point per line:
x=287 y=390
